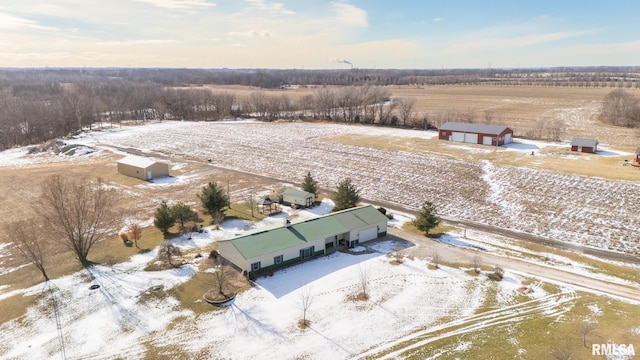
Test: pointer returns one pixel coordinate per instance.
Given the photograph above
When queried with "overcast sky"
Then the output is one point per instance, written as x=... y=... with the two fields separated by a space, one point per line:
x=317 y=34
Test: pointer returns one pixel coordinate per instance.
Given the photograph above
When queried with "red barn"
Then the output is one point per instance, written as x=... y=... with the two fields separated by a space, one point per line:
x=476 y=133
x=584 y=145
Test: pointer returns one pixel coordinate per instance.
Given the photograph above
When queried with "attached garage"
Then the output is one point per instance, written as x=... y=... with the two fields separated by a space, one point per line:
x=142 y=168
x=368 y=234
x=476 y=133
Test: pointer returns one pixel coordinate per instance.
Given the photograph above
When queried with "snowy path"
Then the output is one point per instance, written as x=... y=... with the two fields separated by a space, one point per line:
x=552 y=305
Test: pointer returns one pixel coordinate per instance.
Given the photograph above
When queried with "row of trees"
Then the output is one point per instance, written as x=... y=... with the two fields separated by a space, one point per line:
x=274 y=78
x=621 y=108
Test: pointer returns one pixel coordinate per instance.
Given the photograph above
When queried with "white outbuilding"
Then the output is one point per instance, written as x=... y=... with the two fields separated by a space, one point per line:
x=142 y=168
x=297 y=197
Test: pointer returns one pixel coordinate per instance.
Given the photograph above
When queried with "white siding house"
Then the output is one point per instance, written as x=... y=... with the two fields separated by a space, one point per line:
x=272 y=249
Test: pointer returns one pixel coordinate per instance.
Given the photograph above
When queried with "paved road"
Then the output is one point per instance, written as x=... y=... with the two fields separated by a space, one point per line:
x=426 y=247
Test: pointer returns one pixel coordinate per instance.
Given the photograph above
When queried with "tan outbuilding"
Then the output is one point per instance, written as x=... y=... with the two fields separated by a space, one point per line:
x=142 y=168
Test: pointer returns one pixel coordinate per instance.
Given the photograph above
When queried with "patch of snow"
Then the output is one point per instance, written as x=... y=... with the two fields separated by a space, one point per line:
x=595 y=309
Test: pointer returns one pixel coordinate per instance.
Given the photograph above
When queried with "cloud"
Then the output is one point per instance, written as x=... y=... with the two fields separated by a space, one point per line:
x=10 y=22
x=263 y=7
x=179 y=4
x=349 y=14
x=137 y=42
x=250 y=34
x=438 y=19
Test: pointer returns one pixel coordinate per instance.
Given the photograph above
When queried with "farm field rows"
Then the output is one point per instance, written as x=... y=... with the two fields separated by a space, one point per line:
x=587 y=210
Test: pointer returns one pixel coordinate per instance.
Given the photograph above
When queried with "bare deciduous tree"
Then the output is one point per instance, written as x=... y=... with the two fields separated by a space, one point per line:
x=435 y=260
x=135 y=232
x=499 y=272
x=562 y=352
x=168 y=251
x=79 y=212
x=363 y=277
x=405 y=110
x=476 y=261
x=488 y=116
x=220 y=278
x=304 y=302
x=31 y=243
x=587 y=328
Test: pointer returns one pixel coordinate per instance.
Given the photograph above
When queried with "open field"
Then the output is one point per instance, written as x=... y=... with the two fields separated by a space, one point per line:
x=464 y=181
x=583 y=199
x=517 y=107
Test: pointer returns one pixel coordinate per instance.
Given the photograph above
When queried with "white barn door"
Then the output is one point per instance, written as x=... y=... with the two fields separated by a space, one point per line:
x=368 y=234
x=471 y=138
x=457 y=136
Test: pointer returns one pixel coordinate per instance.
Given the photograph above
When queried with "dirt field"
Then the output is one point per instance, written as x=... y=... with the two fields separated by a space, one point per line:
x=516 y=107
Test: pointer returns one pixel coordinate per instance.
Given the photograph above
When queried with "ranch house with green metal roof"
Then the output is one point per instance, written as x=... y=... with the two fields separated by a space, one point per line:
x=290 y=243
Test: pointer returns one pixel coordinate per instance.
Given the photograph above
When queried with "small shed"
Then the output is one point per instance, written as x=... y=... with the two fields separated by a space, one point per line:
x=584 y=145
x=297 y=197
x=495 y=135
x=142 y=168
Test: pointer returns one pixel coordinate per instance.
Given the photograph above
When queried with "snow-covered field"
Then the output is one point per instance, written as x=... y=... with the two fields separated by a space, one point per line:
x=592 y=211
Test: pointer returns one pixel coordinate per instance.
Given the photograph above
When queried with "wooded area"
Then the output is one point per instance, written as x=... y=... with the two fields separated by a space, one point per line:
x=37 y=105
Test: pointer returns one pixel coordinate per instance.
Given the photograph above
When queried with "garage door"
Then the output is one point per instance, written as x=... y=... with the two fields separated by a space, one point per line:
x=507 y=139
x=368 y=234
x=487 y=140
x=457 y=136
x=471 y=138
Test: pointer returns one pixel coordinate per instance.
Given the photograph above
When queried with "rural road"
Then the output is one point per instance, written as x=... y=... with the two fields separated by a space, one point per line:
x=426 y=247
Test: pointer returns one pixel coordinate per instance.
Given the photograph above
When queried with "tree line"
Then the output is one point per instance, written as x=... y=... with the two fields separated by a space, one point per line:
x=597 y=76
x=40 y=105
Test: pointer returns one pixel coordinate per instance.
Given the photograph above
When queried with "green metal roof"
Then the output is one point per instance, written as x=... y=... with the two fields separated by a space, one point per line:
x=297 y=234
x=297 y=193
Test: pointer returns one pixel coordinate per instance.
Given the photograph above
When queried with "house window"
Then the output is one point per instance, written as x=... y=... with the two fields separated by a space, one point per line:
x=306 y=253
x=255 y=266
x=277 y=260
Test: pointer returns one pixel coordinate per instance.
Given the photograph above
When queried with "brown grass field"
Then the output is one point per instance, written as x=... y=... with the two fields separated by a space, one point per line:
x=516 y=107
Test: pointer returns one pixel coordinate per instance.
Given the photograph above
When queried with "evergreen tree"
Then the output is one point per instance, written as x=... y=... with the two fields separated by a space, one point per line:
x=310 y=185
x=427 y=218
x=163 y=219
x=214 y=199
x=182 y=213
x=346 y=196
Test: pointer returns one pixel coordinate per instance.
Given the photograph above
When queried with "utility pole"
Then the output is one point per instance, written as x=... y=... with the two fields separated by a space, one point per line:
x=251 y=201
